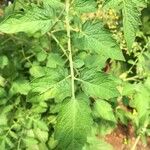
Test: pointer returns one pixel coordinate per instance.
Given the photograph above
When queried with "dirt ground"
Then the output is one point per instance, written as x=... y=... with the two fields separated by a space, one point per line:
x=123 y=138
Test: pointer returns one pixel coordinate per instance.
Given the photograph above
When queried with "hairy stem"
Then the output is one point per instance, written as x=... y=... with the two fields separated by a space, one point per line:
x=68 y=28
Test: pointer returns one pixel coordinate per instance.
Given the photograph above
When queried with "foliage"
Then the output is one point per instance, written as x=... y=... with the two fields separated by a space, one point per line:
x=55 y=89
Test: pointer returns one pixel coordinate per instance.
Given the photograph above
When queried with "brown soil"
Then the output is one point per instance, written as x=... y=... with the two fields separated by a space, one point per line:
x=123 y=138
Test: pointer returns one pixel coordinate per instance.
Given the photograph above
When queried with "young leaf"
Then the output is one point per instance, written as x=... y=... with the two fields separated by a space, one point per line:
x=104 y=110
x=98 y=84
x=35 y=19
x=73 y=125
x=131 y=21
x=93 y=36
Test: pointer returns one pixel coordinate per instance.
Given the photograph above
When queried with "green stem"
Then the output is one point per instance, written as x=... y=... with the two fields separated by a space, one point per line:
x=59 y=44
x=136 y=61
x=68 y=29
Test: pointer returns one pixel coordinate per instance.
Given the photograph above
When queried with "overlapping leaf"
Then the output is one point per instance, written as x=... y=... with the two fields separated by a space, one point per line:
x=73 y=125
x=35 y=19
x=93 y=36
x=98 y=84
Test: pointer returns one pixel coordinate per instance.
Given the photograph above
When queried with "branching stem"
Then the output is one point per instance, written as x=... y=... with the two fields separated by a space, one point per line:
x=68 y=29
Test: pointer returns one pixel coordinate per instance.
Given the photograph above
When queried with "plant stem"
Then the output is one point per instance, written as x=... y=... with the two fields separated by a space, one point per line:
x=141 y=53
x=59 y=44
x=139 y=136
x=68 y=29
x=136 y=142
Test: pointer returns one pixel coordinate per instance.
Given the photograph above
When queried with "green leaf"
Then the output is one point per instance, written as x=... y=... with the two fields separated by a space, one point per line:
x=3 y=61
x=52 y=143
x=73 y=125
x=42 y=146
x=54 y=3
x=78 y=63
x=140 y=3
x=131 y=17
x=95 y=61
x=41 y=125
x=54 y=60
x=2 y=93
x=29 y=141
x=98 y=84
x=84 y=6
x=3 y=120
x=94 y=143
x=131 y=21
x=105 y=127
x=104 y=110
x=3 y=145
x=111 y=4
x=35 y=19
x=53 y=85
x=93 y=36
x=122 y=115
x=9 y=142
x=41 y=56
x=37 y=71
x=2 y=83
x=20 y=86
x=41 y=135
x=141 y=101
x=13 y=134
